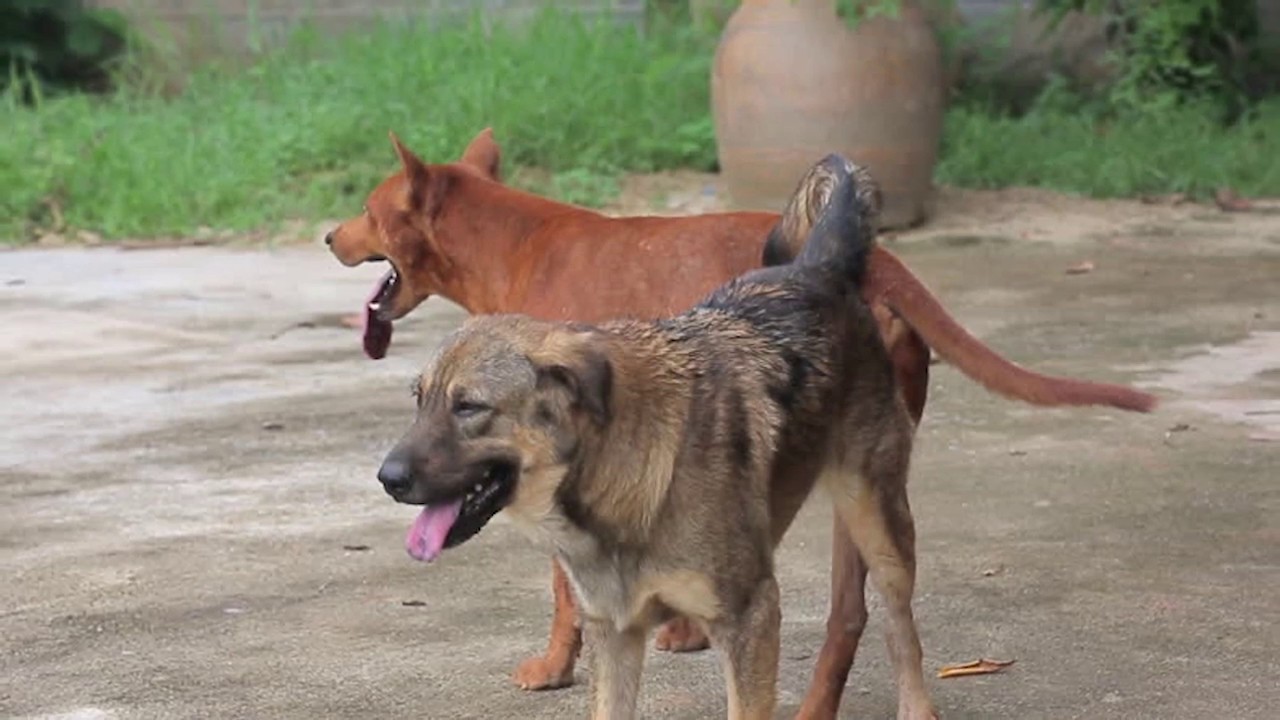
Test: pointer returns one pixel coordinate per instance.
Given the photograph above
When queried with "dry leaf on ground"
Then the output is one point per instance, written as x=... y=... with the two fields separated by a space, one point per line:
x=1170 y=199
x=1228 y=200
x=981 y=666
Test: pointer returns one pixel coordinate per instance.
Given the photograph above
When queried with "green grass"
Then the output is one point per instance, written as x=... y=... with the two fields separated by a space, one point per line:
x=1177 y=150
x=302 y=133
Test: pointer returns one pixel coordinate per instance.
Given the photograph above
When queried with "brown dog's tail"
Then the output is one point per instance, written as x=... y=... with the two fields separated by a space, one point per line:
x=889 y=279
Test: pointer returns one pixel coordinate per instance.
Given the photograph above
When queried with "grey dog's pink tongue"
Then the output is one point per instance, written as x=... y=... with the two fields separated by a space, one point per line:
x=377 y=332
x=431 y=527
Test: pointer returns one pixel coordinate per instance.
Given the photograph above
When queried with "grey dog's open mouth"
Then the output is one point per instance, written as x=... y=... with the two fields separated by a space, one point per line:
x=453 y=519
x=484 y=499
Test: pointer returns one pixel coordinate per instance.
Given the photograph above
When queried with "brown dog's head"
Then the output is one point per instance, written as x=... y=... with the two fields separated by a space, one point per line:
x=501 y=415
x=399 y=225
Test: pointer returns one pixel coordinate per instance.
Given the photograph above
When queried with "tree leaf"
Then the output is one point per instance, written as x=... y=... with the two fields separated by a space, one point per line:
x=84 y=37
x=981 y=666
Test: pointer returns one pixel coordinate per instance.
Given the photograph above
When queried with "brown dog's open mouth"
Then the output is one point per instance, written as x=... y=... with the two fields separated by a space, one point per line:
x=450 y=523
x=378 y=313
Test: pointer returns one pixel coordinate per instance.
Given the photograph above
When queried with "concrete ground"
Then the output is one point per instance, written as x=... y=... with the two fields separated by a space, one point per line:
x=190 y=525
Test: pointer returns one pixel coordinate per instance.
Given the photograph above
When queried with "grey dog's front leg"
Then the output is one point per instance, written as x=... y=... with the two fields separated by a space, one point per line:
x=618 y=662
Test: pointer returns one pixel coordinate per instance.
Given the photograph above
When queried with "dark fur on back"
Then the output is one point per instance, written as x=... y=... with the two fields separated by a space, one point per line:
x=788 y=305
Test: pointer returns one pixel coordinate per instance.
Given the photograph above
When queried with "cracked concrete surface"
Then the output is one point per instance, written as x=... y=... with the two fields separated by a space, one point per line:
x=190 y=526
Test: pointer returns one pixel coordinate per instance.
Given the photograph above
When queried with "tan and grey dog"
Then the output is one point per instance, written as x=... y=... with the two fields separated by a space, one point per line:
x=663 y=461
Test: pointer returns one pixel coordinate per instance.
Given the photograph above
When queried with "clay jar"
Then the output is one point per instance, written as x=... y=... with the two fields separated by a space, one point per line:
x=792 y=82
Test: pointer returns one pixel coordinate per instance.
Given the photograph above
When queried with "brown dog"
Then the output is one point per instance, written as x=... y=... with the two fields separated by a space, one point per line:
x=455 y=230
x=663 y=461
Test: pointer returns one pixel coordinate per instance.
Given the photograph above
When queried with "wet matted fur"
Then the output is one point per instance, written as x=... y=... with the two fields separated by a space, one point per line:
x=661 y=462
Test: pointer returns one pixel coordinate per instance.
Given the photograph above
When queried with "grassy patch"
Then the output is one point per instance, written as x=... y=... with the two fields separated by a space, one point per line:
x=1178 y=149
x=303 y=132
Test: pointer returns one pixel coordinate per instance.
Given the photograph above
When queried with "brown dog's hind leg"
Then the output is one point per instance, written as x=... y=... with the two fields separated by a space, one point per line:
x=554 y=669
x=845 y=624
x=848 y=617
x=681 y=635
x=618 y=664
x=748 y=645
x=878 y=517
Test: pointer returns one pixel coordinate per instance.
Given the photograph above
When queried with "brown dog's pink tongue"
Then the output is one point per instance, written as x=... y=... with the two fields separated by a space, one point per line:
x=431 y=527
x=376 y=331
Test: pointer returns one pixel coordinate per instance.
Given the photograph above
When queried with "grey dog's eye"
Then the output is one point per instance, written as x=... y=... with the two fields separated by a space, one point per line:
x=466 y=408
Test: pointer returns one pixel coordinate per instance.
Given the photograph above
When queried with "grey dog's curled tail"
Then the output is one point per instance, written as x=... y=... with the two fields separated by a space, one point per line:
x=842 y=202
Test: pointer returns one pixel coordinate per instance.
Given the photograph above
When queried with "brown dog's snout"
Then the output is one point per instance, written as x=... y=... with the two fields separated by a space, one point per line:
x=328 y=238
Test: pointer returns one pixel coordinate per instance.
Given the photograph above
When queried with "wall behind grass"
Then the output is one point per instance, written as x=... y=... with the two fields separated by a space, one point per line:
x=198 y=29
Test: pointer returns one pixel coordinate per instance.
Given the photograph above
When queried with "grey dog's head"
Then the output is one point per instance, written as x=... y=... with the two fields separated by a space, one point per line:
x=501 y=412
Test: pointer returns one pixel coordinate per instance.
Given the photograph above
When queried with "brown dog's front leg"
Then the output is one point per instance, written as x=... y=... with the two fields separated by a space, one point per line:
x=845 y=624
x=554 y=669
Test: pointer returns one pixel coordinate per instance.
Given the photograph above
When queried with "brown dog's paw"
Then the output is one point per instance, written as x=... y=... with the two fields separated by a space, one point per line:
x=539 y=673
x=681 y=635
x=820 y=703
x=808 y=713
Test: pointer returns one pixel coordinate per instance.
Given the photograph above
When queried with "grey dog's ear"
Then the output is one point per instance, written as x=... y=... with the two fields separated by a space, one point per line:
x=577 y=363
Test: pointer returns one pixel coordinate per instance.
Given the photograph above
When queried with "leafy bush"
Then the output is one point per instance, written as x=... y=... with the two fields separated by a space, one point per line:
x=57 y=44
x=1172 y=51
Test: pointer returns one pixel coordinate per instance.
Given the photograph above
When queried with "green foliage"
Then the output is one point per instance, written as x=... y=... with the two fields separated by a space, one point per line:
x=581 y=186
x=1065 y=144
x=57 y=44
x=303 y=131
x=1172 y=51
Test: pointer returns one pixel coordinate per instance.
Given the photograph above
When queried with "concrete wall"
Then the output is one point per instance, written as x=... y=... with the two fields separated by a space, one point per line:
x=200 y=27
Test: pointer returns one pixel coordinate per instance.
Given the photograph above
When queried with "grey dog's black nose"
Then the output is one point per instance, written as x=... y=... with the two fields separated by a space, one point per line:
x=328 y=238
x=395 y=476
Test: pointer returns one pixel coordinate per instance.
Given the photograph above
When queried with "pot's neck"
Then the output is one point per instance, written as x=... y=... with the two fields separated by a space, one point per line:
x=828 y=5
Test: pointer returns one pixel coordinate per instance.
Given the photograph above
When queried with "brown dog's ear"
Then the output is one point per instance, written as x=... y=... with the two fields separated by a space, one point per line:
x=483 y=154
x=583 y=369
x=414 y=169
x=425 y=188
